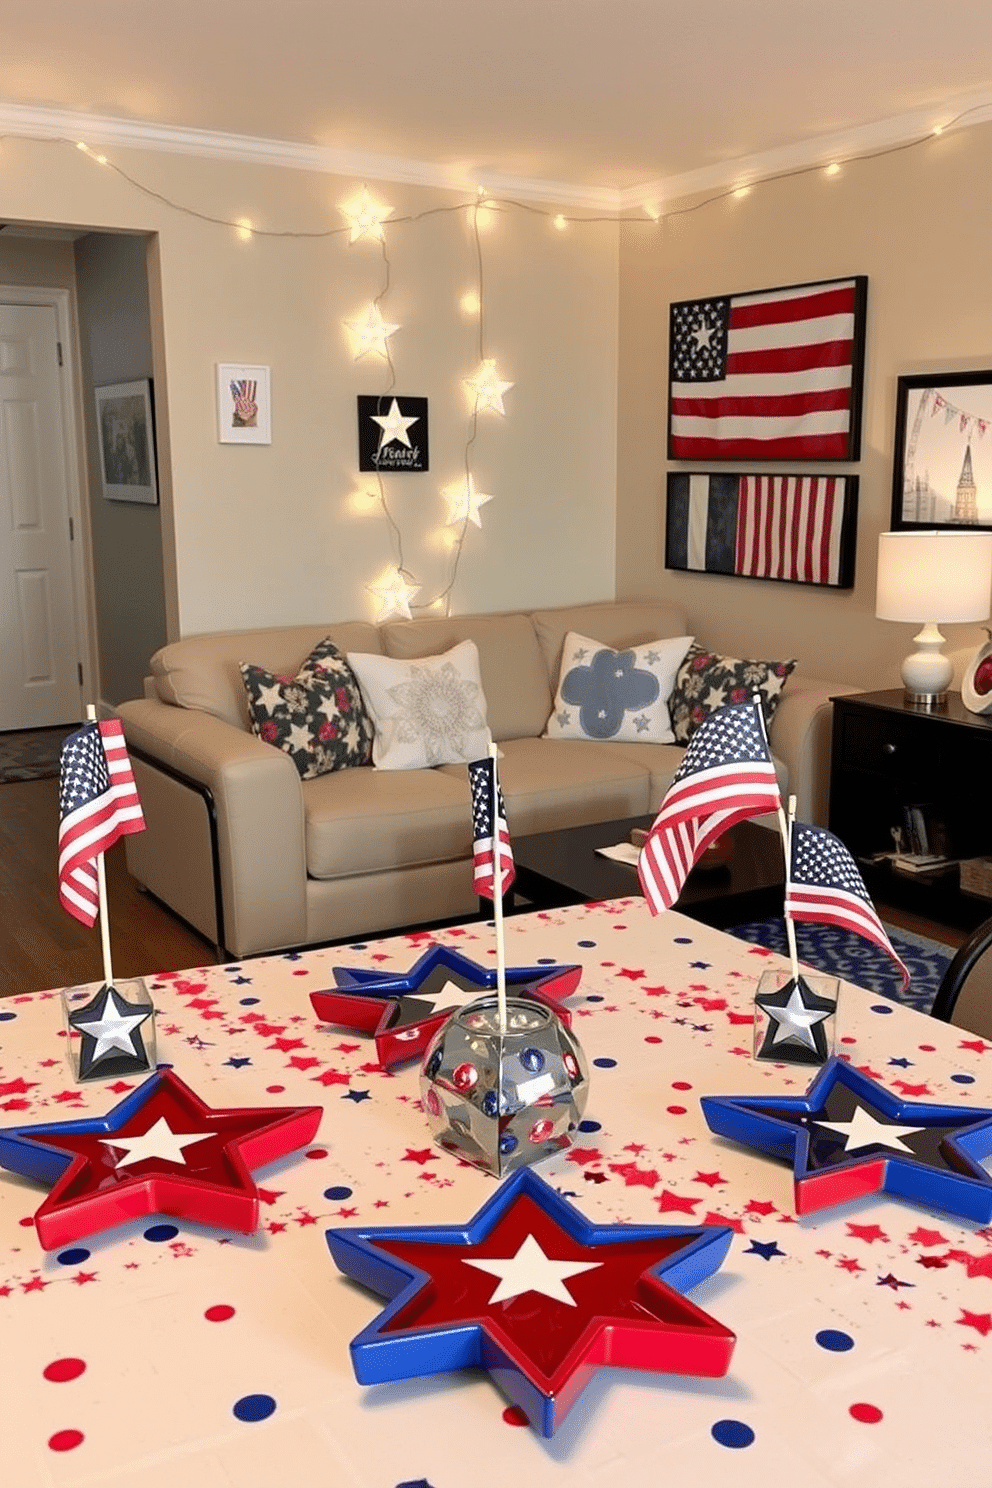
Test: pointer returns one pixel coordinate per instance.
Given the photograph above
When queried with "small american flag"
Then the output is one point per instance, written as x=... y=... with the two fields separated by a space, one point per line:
x=825 y=885
x=771 y=375
x=98 y=803
x=726 y=775
x=482 y=779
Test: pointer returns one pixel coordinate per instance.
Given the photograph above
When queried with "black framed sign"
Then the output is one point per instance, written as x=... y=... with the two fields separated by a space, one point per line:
x=775 y=374
x=392 y=433
x=942 y=472
x=801 y=529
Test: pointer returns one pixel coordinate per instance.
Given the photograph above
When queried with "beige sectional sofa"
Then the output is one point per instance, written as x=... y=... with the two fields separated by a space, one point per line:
x=259 y=860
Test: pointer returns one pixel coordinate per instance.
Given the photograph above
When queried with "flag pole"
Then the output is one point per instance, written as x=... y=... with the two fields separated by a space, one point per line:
x=101 y=884
x=785 y=831
x=498 y=900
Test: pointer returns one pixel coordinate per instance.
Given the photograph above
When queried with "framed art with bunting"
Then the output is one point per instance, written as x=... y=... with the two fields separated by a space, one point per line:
x=942 y=475
x=798 y=528
x=774 y=374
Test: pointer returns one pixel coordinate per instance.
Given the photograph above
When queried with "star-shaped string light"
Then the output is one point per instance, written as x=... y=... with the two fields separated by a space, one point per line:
x=849 y=1137
x=403 y=1010
x=394 y=595
x=488 y=388
x=797 y=1023
x=536 y=1294
x=161 y=1150
x=110 y=1038
x=365 y=216
x=371 y=333
x=464 y=502
x=394 y=425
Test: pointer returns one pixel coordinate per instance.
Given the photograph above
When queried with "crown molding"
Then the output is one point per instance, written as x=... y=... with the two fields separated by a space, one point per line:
x=62 y=124
x=870 y=139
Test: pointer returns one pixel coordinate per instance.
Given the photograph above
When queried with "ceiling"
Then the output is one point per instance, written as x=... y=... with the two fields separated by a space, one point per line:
x=607 y=95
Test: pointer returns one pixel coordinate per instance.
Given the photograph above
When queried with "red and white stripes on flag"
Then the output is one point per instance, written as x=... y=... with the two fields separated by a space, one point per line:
x=790 y=527
x=98 y=804
x=488 y=827
x=770 y=375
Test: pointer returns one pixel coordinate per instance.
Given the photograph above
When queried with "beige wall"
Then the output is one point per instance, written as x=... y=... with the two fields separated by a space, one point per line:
x=917 y=222
x=266 y=534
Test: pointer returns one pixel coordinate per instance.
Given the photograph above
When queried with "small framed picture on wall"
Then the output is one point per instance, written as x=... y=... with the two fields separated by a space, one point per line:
x=942 y=474
x=244 y=413
x=127 y=442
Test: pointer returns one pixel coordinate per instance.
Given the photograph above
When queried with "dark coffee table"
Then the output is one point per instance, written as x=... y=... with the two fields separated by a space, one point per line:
x=563 y=867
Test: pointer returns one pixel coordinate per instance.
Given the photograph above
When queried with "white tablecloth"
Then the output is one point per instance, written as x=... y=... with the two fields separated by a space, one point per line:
x=128 y=1358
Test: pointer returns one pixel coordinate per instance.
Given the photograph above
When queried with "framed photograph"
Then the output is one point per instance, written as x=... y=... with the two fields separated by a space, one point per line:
x=126 y=434
x=942 y=473
x=244 y=413
x=775 y=374
x=801 y=529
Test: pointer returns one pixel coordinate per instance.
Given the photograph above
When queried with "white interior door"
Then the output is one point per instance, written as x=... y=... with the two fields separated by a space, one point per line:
x=39 y=655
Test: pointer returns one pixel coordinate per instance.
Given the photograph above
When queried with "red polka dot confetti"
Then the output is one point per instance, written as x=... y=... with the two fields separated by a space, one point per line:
x=65 y=1441
x=868 y=1415
x=62 y=1370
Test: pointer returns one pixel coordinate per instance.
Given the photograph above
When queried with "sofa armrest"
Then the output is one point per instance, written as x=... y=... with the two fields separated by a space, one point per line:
x=257 y=802
x=800 y=736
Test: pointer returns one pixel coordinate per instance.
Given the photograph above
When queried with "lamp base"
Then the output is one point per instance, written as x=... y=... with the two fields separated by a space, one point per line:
x=927 y=672
x=925 y=702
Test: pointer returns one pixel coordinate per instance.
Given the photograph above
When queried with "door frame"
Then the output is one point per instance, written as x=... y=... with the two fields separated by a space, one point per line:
x=77 y=488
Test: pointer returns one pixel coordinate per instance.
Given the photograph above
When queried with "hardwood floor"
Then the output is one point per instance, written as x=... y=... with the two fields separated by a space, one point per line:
x=41 y=945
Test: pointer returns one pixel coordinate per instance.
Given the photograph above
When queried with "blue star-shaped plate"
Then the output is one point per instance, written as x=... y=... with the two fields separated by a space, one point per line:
x=849 y=1137
x=538 y=1296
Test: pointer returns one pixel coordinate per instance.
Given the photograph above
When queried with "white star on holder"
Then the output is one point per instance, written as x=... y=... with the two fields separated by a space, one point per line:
x=372 y=333
x=394 y=425
x=464 y=502
x=488 y=388
x=365 y=216
x=394 y=595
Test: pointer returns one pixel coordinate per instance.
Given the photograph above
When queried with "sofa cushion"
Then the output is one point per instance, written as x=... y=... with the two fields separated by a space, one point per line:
x=609 y=695
x=375 y=821
x=514 y=677
x=203 y=671
x=621 y=624
x=426 y=712
x=707 y=681
x=317 y=717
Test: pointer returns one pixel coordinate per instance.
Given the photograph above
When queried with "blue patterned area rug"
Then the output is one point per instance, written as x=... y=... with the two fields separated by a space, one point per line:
x=842 y=953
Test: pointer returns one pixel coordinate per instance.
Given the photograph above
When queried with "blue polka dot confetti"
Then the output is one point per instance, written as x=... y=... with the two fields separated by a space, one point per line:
x=881 y=1007
x=834 y=1340
x=6 y=1017
x=254 y=1407
x=605 y=1063
x=587 y=945
x=590 y=1126
x=160 y=1233
x=732 y=1433
x=545 y=960
x=963 y=1079
x=682 y=940
x=338 y=1192
x=73 y=1257
x=595 y=997
x=248 y=1001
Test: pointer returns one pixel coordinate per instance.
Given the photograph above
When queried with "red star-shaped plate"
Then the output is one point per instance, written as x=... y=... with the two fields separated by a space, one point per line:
x=537 y=1295
x=403 y=1010
x=162 y=1150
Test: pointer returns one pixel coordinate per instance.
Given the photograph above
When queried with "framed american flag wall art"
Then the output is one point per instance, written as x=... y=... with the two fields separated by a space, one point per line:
x=775 y=374
x=801 y=529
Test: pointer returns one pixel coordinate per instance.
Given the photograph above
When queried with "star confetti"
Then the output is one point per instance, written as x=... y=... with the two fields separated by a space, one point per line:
x=162 y=1150
x=110 y=1038
x=403 y=1010
x=537 y=1295
x=849 y=1137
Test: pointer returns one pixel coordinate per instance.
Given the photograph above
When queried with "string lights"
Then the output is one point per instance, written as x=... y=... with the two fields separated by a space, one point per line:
x=366 y=217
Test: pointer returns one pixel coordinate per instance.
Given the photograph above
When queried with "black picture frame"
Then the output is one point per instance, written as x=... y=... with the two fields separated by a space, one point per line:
x=125 y=422
x=943 y=446
x=393 y=434
x=739 y=391
x=783 y=528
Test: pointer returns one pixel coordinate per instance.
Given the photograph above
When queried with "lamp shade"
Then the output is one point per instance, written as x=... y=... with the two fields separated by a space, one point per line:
x=939 y=576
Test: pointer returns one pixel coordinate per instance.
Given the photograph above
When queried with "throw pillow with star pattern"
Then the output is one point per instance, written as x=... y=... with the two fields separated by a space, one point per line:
x=706 y=681
x=621 y=696
x=317 y=717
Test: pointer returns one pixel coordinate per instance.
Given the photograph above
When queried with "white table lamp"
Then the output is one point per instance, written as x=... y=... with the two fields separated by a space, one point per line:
x=939 y=578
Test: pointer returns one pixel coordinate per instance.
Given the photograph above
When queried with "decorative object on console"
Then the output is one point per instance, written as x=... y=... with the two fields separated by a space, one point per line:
x=771 y=375
x=849 y=1137
x=798 y=528
x=618 y=695
x=317 y=717
x=937 y=578
x=244 y=413
x=795 y=1018
x=942 y=472
x=106 y=1033
x=976 y=684
x=707 y=681
x=536 y=1294
x=161 y=1150
x=426 y=712
x=403 y=1010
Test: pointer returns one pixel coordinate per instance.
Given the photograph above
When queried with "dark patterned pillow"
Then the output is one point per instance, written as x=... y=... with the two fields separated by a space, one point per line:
x=706 y=681
x=317 y=717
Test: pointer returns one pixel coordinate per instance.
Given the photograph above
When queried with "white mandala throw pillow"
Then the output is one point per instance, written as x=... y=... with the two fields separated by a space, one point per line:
x=431 y=711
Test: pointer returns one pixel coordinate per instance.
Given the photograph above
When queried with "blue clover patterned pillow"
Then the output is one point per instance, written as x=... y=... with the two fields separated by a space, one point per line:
x=616 y=695
x=707 y=681
x=317 y=717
